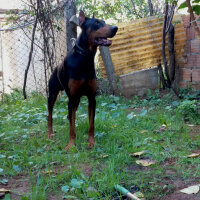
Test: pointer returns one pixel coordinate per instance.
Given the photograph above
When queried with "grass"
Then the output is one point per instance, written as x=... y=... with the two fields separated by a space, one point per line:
x=122 y=127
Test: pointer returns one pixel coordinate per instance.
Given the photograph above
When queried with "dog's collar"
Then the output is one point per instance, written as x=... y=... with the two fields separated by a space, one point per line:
x=82 y=51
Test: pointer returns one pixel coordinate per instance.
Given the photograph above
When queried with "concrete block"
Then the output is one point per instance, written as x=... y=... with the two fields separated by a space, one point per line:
x=137 y=83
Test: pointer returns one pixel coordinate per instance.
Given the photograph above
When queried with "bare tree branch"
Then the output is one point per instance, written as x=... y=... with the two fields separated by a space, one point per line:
x=150 y=7
x=30 y=53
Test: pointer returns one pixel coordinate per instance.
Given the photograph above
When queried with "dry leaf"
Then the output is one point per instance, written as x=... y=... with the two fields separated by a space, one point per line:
x=191 y=190
x=143 y=131
x=114 y=126
x=47 y=172
x=137 y=153
x=104 y=156
x=3 y=190
x=139 y=195
x=193 y=155
x=146 y=162
x=190 y=125
x=163 y=128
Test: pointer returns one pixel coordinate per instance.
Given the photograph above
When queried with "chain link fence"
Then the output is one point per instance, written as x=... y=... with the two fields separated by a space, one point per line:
x=49 y=49
x=15 y=47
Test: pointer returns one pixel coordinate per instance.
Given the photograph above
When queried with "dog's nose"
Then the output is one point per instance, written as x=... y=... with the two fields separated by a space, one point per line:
x=114 y=28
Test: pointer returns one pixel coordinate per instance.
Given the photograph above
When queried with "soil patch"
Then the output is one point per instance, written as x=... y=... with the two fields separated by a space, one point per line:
x=178 y=185
x=18 y=185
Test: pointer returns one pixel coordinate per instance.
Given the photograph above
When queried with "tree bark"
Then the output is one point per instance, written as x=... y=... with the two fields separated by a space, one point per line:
x=193 y=18
x=150 y=7
x=162 y=78
x=163 y=47
x=171 y=53
x=71 y=28
x=105 y=54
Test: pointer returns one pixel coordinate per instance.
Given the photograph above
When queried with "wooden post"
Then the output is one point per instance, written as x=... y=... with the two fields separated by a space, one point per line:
x=107 y=60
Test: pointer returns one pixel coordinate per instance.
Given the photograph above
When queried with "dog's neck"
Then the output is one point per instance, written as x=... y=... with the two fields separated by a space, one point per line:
x=83 y=47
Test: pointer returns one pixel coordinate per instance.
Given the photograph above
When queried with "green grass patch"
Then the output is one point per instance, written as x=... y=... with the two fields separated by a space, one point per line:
x=166 y=128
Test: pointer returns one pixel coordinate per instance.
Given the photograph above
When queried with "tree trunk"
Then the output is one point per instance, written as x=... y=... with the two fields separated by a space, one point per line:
x=168 y=83
x=107 y=60
x=193 y=18
x=71 y=29
x=171 y=53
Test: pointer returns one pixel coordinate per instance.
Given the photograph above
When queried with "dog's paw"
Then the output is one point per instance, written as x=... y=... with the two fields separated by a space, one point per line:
x=71 y=143
x=91 y=143
x=50 y=135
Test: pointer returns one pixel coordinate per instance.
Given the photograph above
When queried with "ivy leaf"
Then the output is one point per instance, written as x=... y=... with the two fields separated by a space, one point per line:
x=75 y=183
x=130 y=116
x=16 y=168
x=65 y=188
x=175 y=103
x=103 y=104
x=143 y=113
x=4 y=181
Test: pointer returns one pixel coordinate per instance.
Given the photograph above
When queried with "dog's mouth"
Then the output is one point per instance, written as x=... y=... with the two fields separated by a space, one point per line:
x=102 y=41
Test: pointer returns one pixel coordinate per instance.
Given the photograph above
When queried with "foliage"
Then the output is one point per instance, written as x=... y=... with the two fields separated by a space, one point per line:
x=117 y=10
x=195 y=6
x=122 y=128
x=190 y=109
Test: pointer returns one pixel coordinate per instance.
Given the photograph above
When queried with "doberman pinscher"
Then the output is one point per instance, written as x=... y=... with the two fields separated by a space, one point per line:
x=76 y=75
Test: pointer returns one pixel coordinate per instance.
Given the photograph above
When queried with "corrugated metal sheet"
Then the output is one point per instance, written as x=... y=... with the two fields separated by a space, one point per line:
x=137 y=45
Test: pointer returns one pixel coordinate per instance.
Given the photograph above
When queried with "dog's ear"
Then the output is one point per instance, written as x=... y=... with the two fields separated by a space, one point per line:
x=93 y=15
x=81 y=17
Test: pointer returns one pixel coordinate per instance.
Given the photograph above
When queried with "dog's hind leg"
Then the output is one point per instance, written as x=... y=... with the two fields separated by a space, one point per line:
x=54 y=88
x=91 y=113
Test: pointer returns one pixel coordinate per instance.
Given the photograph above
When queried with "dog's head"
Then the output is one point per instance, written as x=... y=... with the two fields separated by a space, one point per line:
x=96 y=30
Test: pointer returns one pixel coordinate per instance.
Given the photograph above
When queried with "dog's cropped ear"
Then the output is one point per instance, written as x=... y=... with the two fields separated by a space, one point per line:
x=81 y=17
x=93 y=15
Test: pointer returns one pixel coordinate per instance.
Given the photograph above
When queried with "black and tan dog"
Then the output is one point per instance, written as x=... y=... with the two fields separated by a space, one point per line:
x=76 y=75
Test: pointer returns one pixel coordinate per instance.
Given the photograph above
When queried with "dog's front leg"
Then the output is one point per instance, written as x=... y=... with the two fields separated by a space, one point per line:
x=72 y=107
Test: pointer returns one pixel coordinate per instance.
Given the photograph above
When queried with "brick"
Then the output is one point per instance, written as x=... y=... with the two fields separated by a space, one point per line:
x=190 y=33
x=196 y=75
x=184 y=84
x=185 y=74
x=191 y=61
x=198 y=61
x=186 y=20
x=195 y=46
x=188 y=47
